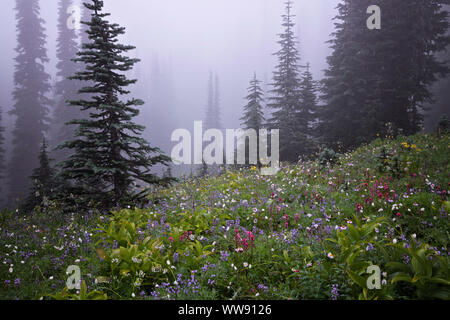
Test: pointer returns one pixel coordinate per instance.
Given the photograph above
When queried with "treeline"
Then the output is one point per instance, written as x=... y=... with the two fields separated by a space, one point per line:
x=101 y=157
x=378 y=83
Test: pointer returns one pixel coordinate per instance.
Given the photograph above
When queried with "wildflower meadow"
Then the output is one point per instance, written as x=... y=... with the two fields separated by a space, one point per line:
x=315 y=230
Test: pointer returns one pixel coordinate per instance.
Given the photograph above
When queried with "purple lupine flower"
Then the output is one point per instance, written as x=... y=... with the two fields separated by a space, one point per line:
x=224 y=256
x=406 y=259
x=334 y=292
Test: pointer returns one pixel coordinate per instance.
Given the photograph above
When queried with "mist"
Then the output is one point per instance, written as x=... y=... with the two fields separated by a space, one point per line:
x=217 y=150
x=179 y=43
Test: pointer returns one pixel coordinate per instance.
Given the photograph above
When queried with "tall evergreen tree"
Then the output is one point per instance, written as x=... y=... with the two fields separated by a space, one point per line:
x=441 y=104
x=217 y=100
x=66 y=89
x=376 y=77
x=43 y=180
x=86 y=16
x=213 y=114
x=30 y=101
x=410 y=66
x=213 y=119
x=253 y=117
x=2 y=156
x=286 y=100
x=109 y=154
x=309 y=107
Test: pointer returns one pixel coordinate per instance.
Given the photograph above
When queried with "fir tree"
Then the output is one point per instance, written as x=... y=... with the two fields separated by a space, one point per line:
x=203 y=170
x=109 y=154
x=86 y=15
x=213 y=114
x=410 y=66
x=286 y=97
x=66 y=89
x=217 y=108
x=30 y=101
x=253 y=117
x=168 y=175
x=309 y=108
x=43 y=180
x=441 y=104
x=213 y=117
x=2 y=155
x=341 y=119
x=377 y=77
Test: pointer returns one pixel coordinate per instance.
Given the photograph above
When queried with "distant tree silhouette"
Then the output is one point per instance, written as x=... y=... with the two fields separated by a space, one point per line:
x=31 y=106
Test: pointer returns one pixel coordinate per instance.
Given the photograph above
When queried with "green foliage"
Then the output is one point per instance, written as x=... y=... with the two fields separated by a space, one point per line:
x=327 y=156
x=308 y=232
x=366 y=65
x=290 y=115
x=109 y=158
x=82 y=294
x=253 y=117
x=355 y=244
x=427 y=271
x=43 y=181
x=443 y=125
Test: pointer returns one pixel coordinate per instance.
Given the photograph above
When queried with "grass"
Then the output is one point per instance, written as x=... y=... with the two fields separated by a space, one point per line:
x=308 y=232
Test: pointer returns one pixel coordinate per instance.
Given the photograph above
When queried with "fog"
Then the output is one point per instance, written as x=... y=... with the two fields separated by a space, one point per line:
x=180 y=42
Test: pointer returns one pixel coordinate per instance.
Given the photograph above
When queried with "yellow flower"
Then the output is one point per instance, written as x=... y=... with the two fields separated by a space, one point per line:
x=253 y=168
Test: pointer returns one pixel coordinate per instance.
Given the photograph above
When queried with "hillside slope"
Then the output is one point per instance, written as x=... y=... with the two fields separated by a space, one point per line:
x=309 y=232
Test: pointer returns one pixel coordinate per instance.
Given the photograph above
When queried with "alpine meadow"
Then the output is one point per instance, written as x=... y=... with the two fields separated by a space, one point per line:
x=253 y=151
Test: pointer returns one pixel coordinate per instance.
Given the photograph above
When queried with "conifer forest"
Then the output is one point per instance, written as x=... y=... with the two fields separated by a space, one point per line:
x=217 y=150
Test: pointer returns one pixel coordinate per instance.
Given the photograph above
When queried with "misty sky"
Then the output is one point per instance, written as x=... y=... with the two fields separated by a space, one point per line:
x=181 y=41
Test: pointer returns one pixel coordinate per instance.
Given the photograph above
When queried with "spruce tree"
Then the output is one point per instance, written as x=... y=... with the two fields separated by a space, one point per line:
x=110 y=155
x=341 y=123
x=217 y=99
x=378 y=79
x=286 y=100
x=440 y=105
x=86 y=15
x=308 y=111
x=410 y=66
x=2 y=156
x=213 y=113
x=213 y=118
x=203 y=171
x=30 y=102
x=253 y=117
x=66 y=89
x=43 y=180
